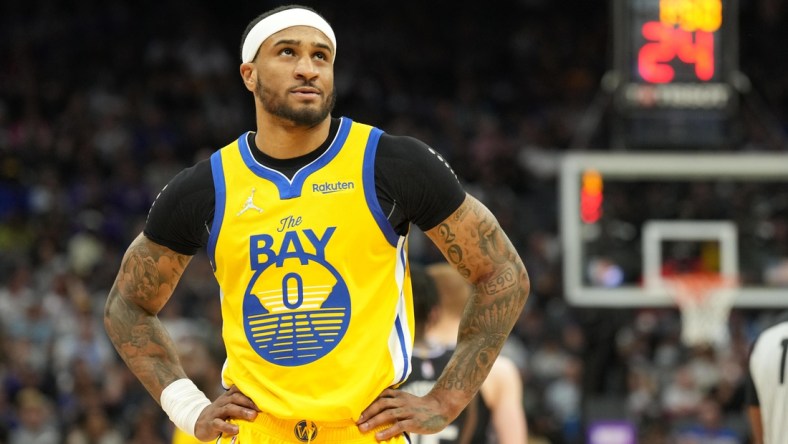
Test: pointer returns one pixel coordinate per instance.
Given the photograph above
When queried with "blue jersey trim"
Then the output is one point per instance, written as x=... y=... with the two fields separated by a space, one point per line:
x=400 y=331
x=289 y=189
x=403 y=347
x=220 y=186
x=370 y=194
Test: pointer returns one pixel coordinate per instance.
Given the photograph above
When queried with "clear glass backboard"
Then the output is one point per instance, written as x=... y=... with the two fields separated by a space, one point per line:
x=630 y=219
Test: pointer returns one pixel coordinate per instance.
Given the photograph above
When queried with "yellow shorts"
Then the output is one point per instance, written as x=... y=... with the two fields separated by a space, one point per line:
x=267 y=429
x=181 y=437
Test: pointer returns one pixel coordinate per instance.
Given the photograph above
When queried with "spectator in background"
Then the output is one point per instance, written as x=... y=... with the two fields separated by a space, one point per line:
x=682 y=397
x=642 y=397
x=94 y=428
x=16 y=294
x=37 y=424
x=146 y=425
x=707 y=427
x=563 y=397
x=87 y=345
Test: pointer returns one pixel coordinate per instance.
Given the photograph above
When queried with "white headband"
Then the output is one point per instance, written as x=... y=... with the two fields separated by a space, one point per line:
x=281 y=20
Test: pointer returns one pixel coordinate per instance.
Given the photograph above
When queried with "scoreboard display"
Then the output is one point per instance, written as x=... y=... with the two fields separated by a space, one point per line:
x=675 y=60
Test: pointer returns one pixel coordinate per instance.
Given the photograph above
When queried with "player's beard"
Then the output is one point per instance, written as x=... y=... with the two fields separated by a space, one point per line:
x=303 y=116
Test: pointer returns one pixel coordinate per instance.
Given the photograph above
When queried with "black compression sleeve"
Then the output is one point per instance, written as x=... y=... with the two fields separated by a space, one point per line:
x=178 y=217
x=414 y=183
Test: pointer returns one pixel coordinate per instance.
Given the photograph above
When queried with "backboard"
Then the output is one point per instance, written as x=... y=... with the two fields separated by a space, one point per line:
x=628 y=219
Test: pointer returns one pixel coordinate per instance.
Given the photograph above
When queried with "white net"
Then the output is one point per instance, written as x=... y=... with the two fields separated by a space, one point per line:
x=705 y=302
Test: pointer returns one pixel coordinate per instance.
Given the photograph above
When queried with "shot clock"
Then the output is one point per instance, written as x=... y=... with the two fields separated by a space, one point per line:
x=675 y=60
x=685 y=38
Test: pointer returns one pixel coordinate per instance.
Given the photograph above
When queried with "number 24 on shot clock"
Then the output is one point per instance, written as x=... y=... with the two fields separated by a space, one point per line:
x=684 y=32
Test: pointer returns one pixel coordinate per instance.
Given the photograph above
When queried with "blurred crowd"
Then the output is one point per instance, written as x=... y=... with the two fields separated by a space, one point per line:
x=102 y=102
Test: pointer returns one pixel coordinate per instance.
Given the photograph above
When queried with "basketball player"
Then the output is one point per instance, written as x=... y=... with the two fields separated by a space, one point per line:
x=430 y=359
x=502 y=392
x=305 y=221
x=767 y=386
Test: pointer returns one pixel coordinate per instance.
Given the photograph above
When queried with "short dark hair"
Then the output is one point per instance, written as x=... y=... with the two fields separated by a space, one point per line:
x=425 y=294
x=266 y=14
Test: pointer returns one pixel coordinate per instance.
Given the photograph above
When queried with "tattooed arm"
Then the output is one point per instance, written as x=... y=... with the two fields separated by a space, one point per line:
x=474 y=243
x=145 y=282
x=147 y=277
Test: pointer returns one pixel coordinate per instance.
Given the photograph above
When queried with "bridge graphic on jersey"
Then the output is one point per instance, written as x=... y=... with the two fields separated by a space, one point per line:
x=292 y=334
x=303 y=334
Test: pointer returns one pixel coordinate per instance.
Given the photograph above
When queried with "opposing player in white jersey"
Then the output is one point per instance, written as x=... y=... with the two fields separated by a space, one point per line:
x=767 y=388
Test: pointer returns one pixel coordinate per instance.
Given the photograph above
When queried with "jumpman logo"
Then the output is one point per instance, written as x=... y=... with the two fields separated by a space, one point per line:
x=249 y=205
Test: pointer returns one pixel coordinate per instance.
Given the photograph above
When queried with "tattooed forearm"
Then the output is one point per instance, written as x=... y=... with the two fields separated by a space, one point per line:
x=473 y=242
x=481 y=336
x=469 y=367
x=148 y=275
x=142 y=342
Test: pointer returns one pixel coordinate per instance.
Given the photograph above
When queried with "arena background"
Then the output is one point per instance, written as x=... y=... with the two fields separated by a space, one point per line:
x=101 y=102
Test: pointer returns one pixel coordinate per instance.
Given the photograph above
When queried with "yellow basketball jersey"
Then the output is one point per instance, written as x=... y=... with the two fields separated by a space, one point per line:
x=315 y=288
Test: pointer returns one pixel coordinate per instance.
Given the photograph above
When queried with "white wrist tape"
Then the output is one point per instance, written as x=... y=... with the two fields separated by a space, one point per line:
x=183 y=402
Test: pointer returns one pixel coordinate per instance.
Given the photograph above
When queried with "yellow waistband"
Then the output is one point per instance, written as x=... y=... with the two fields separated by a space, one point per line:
x=308 y=431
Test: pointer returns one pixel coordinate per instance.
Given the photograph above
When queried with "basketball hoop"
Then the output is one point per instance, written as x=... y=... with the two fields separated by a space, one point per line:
x=705 y=301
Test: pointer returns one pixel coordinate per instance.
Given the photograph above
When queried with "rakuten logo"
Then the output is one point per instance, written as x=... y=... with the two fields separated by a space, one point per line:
x=328 y=188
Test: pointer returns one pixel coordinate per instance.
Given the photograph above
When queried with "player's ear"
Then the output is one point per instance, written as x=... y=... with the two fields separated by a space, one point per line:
x=249 y=76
